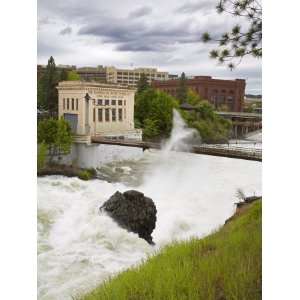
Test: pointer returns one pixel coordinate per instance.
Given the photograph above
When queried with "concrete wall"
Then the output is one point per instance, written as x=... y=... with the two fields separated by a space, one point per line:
x=93 y=156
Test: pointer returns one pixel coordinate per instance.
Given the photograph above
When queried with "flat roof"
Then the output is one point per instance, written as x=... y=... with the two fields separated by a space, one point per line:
x=239 y=114
x=89 y=84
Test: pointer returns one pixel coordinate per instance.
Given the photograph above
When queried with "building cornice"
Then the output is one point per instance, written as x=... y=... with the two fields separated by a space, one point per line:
x=75 y=85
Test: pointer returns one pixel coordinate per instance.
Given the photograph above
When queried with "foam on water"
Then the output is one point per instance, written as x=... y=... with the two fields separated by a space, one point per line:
x=79 y=247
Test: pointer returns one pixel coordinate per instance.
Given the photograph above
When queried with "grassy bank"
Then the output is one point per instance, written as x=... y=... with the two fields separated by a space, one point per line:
x=68 y=171
x=225 y=265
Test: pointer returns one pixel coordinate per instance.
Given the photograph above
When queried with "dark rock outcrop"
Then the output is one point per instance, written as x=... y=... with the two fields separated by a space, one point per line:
x=132 y=211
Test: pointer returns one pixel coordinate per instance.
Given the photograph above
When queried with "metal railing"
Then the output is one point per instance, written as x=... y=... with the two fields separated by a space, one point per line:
x=207 y=149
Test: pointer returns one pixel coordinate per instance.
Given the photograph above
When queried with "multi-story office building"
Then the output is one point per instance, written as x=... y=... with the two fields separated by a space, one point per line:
x=221 y=93
x=93 y=74
x=131 y=77
x=127 y=77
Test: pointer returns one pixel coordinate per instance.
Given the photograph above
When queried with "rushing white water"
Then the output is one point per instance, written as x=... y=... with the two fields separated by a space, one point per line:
x=80 y=247
x=181 y=135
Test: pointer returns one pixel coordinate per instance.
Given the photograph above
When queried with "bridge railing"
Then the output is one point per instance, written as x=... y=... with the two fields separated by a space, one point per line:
x=210 y=149
x=232 y=150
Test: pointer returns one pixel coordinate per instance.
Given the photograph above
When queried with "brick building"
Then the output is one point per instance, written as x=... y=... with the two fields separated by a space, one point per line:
x=221 y=93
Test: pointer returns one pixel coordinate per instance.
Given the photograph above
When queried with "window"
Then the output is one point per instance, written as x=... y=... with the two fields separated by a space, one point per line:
x=94 y=115
x=107 y=114
x=68 y=103
x=106 y=102
x=125 y=102
x=119 y=102
x=72 y=103
x=64 y=103
x=120 y=114
x=100 y=102
x=100 y=113
x=113 y=102
x=76 y=103
x=113 y=114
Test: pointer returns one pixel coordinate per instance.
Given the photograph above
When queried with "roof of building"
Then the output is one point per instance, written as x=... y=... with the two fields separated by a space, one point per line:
x=187 y=106
x=199 y=79
x=238 y=114
x=91 y=84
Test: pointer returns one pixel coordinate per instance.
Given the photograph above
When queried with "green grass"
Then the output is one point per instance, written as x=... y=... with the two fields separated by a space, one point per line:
x=225 y=265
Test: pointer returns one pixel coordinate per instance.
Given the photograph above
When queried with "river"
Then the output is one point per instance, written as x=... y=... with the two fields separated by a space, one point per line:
x=79 y=247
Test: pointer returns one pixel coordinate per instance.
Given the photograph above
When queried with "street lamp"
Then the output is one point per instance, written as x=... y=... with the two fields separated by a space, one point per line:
x=87 y=117
x=87 y=97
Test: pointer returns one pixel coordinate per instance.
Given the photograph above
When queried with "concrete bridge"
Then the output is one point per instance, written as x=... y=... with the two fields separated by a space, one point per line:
x=205 y=149
x=242 y=122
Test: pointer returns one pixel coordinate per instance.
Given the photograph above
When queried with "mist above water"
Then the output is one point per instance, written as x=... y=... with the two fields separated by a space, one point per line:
x=181 y=136
x=78 y=248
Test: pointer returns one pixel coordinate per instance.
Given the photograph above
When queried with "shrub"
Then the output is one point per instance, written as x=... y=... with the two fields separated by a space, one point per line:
x=84 y=175
x=41 y=155
x=56 y=134
x=211 y=127
x=92 y=172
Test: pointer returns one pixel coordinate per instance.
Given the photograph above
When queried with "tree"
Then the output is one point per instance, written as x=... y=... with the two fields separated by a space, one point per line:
x=40 y=94
x=63 y=139
x=63 y=75
x=211 y=127
x=151 y=129
x=47 y=92
x=56 y=134
x=142 y=83
x=238 y=43
x=182 y=89
x=154 y=112
x=193 y=98
x=73 y=76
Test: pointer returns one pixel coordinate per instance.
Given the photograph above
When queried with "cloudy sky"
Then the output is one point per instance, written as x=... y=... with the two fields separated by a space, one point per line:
x=137 y=33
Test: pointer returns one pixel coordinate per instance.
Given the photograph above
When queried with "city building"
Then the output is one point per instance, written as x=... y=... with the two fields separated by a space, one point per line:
x=131 y=77
x=127 y=77
x=98 y=109
x=93 y=74
x=222 y=94
x=41 y=69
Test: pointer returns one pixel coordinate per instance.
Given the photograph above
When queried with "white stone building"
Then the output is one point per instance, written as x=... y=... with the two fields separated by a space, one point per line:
x=94 y=109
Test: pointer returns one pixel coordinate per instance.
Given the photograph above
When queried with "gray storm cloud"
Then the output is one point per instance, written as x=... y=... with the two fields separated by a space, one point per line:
x=160 y=34
x=140 y=12
x=67 y=30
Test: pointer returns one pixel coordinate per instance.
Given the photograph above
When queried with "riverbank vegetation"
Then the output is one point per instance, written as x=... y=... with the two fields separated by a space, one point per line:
x=68 y=171
x=211 y=127
x=154 y=113
x=54 y=138
x=224 y=265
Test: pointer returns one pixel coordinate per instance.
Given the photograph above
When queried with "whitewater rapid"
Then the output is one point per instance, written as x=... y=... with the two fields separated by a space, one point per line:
x=79 y=247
